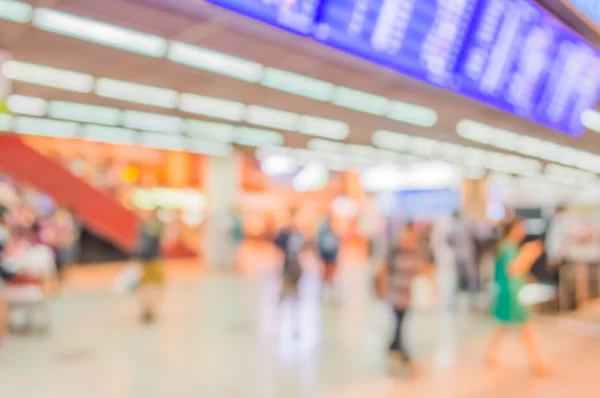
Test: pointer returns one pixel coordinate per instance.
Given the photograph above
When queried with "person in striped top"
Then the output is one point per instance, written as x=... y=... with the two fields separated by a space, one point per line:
x=406 y=260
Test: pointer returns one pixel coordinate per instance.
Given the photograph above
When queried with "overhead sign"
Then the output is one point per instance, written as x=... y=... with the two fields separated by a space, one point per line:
x=422 y=38
x=295 y=15
x=509 y=54
x=520 y=59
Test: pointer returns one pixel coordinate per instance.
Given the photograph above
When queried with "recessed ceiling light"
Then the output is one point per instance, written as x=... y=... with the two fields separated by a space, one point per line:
x=212 y=107
x=163 y=141
x=322 y=127
x=134 y=92
x=99 y=32
x=361 y=101
x=15 y=11
x=257 y=137
x=412 y=114
x=84 y=113
x=214 y=61
x=297 y=84
x=109 y=135
x=47 y=76
x=25 y=105
x=210 y=131
x=46 y=127
x=270 y=117
x=154 y=122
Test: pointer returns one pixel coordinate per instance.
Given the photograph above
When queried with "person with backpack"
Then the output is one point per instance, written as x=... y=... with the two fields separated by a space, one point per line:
x=328 y=245
x=290 y=241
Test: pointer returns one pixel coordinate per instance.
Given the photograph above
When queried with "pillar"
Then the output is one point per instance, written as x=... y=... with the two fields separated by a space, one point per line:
x=222 y=190
x=5 y=89
x=474 y=197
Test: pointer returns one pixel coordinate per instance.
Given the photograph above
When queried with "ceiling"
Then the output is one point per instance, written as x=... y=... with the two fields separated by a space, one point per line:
x=208 y=26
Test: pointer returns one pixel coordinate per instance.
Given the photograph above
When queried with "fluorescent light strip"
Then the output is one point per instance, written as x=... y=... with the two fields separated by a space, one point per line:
x=257 y=137
x=134 y=92
x=25 y=105
x=15 y=11
x=212 y=107
x=84 y=113
x=322 y=127
x=417 y=115
x=469 y=156
x=220 y=132
x=210 y=148
x=270 y=117
x=109 y=135
x=215 y=62
x=46 y=127
x=6 y=122
x=361 y=101
x=47 y=76
x=99 y=32
x=153 y=122
x=301 y=85
x=527 y=145
x=162 y=141
x=590 y=118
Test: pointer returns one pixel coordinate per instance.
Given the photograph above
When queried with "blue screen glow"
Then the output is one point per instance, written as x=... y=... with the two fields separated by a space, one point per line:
x=509 y=54
x=421 y=38
x=519 y=59
x=295 y=15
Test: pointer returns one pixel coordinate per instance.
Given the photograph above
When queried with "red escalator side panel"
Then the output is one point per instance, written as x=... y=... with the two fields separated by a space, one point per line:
x=100 y=212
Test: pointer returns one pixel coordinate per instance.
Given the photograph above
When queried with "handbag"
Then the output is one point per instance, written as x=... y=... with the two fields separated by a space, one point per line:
x=380 y=282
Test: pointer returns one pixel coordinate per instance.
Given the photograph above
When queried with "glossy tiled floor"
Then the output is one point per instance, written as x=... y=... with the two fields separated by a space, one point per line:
x=225 y=336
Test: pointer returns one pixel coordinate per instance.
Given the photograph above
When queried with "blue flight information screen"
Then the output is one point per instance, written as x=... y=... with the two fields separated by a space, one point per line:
x=296 y=15
x=519 y=59
x=421 y=38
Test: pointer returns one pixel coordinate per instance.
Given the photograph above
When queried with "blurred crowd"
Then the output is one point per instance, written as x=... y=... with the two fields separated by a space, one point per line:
x=37 y=240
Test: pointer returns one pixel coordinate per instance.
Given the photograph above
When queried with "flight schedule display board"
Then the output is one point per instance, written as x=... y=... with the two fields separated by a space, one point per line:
x=421 y=38
x=509 y=54
x=520 y=59
x=296 y=15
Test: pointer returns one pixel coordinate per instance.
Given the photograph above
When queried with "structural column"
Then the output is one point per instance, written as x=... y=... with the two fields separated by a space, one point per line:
x=474 y=197
x=5 y=90
x=223 y=187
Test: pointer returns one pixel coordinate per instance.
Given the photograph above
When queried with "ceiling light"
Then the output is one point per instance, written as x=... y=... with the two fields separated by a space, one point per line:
x=134 y=92
x=15 y=11
x=313 y=177
x=278 y=165
x=162 y=141
x=99 y=32
x=210 y=131
x=390 y=140
x=47 y=76
x=321 y=127
x=412 y=114
x=6 y=122
x=212 y=107
x=591 y=120
x=297 y=84
x=270 y=117
x=257 y=137
x=109 y=135
x=24 y=105
x=318 y=144
x=209 y=148
x=215 y=62
x=46 y=127
x=154 y=122
x=84 y=113
x=361 y=101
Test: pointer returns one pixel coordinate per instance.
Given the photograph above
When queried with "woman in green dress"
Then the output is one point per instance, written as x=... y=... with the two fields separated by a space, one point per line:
x=513 y=263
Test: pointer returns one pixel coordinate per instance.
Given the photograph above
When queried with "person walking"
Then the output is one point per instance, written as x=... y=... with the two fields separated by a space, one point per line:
x=328 y=244
x=290 y=241
x=512 y=265
x=406 y=260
